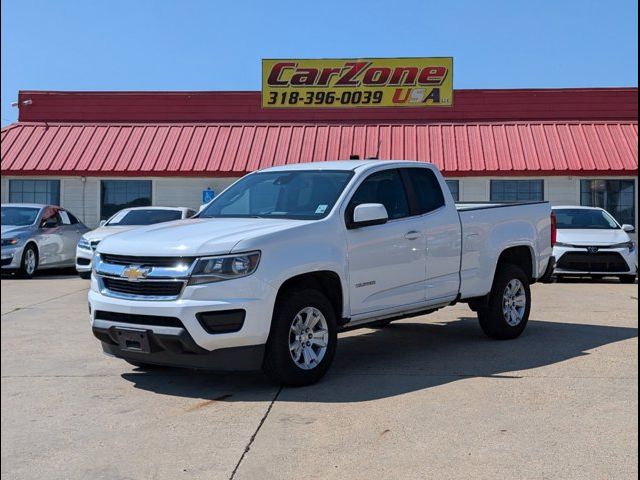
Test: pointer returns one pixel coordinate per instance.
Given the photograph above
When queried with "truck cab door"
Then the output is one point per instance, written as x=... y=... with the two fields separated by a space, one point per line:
x=386 y=263
x=442 y=230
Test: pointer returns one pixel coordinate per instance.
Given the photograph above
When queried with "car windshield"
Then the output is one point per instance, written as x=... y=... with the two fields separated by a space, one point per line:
x=144 y=217
x=300 y=194
x=19 y=216
x=585 y=219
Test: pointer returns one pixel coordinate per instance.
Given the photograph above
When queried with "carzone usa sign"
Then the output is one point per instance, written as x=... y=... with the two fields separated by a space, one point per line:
x=362 y=82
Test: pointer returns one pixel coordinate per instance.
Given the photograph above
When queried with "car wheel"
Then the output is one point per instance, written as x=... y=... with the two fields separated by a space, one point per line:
x=507 y=311
x=303 y=337
x=627 y=278
x=29 y=262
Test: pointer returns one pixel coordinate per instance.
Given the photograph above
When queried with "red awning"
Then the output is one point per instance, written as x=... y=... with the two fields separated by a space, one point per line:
x=219 y=149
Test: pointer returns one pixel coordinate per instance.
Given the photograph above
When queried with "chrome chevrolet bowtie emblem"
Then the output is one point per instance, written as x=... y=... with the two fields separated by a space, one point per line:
x=592 y=249
x=135 y=273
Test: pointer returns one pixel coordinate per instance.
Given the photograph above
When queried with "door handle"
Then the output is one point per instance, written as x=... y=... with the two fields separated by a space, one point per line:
x=412 y=235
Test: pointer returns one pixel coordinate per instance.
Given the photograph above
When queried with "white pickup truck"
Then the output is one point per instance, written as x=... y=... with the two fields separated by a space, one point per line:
x=271 y=270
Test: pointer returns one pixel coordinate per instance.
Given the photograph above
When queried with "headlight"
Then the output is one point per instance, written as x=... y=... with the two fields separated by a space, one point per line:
x=630 y=245
x=84 y=244
x=560 y=244
x=7 y=242
x=225 y=267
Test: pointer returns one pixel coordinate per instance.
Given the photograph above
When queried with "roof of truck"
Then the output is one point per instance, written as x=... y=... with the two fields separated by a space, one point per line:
x=341 y=165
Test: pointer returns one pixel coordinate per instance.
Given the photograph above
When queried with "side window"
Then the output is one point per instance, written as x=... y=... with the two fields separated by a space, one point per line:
x=384 y=187
x=64 y=216
x=427 y=189
x=72 y=218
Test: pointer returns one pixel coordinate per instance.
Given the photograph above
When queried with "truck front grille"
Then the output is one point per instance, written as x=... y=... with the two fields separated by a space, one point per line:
x=593 y=262
x=145 y=261
x=147 y=288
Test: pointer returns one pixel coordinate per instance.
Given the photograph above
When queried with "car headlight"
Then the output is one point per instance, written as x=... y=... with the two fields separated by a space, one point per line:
x=561 y=244
x=630 y=245
x=8 y=242
x=84 y=244
x=224 y=267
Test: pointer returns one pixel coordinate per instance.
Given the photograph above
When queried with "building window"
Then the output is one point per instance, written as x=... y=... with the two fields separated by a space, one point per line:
x=454 y=187
x=616 y=196
x=517 y=190
x=34 y=191
x=118 y=194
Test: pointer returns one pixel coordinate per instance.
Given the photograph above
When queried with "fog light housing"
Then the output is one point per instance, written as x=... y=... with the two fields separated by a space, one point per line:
x=222 y=321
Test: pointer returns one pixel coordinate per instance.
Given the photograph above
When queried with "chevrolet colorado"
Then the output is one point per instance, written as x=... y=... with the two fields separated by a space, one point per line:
x=269 y=272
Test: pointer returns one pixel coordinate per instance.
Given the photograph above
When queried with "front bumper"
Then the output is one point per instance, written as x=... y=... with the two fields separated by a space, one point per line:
x=11 y=257
x=605 y=261
x=189 y=339
x=83 y=260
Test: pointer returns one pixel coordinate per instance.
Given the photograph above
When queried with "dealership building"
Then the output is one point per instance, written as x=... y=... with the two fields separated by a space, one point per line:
x=96 y=152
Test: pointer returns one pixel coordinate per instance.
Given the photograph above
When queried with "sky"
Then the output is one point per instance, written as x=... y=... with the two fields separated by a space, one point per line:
x=218 y=45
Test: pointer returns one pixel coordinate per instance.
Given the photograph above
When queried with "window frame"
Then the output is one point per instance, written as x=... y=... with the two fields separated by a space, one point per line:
x=48 y=192
x=605 y=207
x=102 y=181
x=517 y=180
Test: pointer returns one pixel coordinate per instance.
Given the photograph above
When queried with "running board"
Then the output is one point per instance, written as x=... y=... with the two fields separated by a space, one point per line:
x=353 y=325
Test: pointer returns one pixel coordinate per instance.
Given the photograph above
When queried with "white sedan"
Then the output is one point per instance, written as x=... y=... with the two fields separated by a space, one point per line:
x=592 y=243
x=122 y=221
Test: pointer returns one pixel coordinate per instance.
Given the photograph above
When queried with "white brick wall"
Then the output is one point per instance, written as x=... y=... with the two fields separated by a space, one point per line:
x=84 y=201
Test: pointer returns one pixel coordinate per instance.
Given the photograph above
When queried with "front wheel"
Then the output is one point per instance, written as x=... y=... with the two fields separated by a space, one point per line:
x=29 y=262
x=303 y=337
x=507 y=311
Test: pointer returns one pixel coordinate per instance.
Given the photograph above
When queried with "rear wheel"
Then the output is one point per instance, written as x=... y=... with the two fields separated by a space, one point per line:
x=627 y=278
x=29 y=262
x=507 y=311
x=303 y=337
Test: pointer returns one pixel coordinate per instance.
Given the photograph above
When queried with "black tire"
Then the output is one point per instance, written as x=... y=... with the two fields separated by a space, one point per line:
x=492 y=319
x=627 y=278
x=85 y=275
x=28 y=270
x=278 y=364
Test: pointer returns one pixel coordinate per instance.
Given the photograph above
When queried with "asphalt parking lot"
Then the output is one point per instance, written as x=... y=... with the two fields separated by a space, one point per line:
x=425 y=398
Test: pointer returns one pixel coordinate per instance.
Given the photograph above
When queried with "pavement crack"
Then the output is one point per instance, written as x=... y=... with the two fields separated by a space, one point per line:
x=43 y=301
x=253 y=437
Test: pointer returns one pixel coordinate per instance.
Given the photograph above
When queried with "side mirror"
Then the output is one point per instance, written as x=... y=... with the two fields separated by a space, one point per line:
x=102 y=223
x=629 y=228
x=368 y=214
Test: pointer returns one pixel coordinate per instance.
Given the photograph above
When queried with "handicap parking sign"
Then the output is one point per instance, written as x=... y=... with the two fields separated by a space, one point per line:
x=207 y=195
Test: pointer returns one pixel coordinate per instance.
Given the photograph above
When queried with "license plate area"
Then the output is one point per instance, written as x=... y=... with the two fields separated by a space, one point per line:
x=133 y=340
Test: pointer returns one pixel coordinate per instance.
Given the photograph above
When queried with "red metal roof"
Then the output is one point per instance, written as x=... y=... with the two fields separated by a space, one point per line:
x=567 y=104
x=224 y=149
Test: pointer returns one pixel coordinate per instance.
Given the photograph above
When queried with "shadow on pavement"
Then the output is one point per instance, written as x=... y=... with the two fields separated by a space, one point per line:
x=402 y=358
x=47 y=274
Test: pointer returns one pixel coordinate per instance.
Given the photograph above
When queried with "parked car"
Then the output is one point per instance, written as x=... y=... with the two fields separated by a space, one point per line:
x=38 y=236
x=592 y=243
x=122 y=221
x=278 y=263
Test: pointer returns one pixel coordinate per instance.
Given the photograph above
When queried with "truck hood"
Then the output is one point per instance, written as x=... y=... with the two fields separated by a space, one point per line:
x=192 y=237
x=592 y=236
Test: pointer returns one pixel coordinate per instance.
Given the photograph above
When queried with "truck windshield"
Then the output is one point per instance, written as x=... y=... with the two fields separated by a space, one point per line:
x=19 y=216
x=144 y=217
x=575 y=218
x=299 y=194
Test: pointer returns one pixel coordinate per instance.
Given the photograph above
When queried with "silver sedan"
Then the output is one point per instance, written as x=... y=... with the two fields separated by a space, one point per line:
x=38 y=236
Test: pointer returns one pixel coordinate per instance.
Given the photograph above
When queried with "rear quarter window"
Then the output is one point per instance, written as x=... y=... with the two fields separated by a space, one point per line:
x=427 y=189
